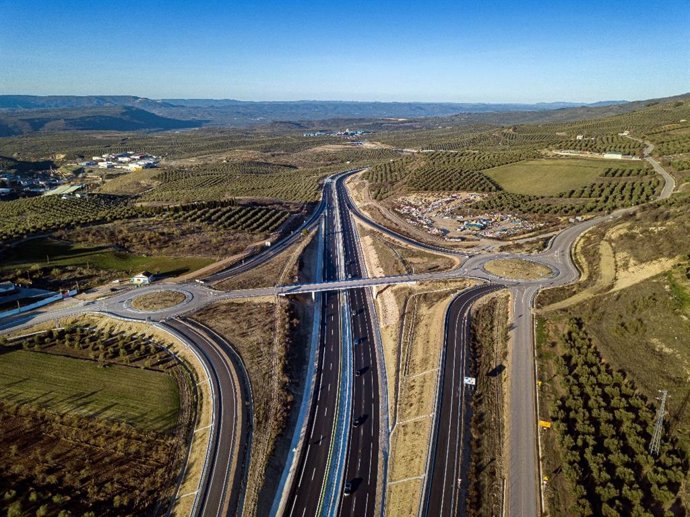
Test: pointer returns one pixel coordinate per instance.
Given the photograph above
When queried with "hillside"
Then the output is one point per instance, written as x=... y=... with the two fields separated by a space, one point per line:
x=22 y=114
x=111 y=118
x=230 y=112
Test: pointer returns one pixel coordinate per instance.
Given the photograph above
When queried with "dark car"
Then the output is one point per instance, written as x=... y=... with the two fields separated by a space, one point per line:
x=359 y=420
x=351 y=485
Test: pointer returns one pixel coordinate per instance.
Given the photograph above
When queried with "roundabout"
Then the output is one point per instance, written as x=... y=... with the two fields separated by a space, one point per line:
x=158 y=300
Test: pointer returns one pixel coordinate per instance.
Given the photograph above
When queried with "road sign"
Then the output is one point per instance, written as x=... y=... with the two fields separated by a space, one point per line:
x=470 y=381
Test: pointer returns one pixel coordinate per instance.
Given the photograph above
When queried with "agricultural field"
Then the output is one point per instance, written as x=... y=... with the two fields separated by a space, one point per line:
x=216 y=183
x=533 y=187
x=57 y=264
x=599 y=196
x=598 y=458
x=76 y=434
x=603 y=144
x=614 y=340
x=24 y=217
x=548 y=177
x=438 y=172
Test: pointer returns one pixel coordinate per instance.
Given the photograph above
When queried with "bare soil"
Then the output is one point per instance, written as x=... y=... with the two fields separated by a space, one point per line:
x=517 y=269
x=157 y=300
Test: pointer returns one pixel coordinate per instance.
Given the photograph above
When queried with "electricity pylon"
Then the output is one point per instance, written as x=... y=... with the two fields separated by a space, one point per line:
x=658 y=425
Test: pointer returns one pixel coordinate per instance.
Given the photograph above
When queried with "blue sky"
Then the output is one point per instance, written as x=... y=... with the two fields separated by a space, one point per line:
x=473 y=51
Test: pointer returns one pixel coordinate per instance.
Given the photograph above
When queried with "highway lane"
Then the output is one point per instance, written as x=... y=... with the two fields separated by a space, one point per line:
x=446 y=486
x=306 y=491
x=522 y=490
x=221 y=490
x=362 y=464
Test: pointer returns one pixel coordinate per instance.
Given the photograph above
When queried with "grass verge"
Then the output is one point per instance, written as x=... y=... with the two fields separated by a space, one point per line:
x=489 y=352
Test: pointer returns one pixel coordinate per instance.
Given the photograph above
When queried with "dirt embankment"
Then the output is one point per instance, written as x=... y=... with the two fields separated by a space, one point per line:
x=412 y=323
x=280 y=270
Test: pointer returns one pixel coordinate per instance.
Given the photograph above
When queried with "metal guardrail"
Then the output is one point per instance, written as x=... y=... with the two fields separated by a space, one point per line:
x=308 y=394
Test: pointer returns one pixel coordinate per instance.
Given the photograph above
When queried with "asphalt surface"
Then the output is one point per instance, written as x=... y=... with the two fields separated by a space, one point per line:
x=306 y=491
x=221 y=490
x=361 y=469
x=446 y=485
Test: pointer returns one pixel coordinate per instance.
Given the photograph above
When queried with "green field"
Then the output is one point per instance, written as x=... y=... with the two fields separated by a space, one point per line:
x=146 y=399
x=55 y=253
x=548 y=177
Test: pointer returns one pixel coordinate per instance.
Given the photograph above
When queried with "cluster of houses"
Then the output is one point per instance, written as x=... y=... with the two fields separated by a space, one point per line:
x=17 y=185
x=347 y=133
x=129 y=160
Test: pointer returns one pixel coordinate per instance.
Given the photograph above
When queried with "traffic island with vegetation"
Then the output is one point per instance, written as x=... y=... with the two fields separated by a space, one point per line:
x=489 y=339
x=158 y=300
x=77 y=436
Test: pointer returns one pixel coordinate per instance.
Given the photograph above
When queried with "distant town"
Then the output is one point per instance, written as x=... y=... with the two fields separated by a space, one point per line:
x=70 y=179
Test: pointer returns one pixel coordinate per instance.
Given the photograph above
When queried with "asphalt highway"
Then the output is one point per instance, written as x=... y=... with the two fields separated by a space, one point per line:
x=446 y=485
x=306 y=493
x=361 y=470
x=222 y=485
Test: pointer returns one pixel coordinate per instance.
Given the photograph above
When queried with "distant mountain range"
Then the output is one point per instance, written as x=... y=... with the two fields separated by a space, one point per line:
x=110 y=118
x=281 y=110
x=22 y=114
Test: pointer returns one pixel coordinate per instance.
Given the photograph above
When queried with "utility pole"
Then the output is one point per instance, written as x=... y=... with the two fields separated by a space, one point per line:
x=658 y=425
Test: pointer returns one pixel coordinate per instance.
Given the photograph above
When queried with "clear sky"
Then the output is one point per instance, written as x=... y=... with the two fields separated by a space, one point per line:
x=462 y=50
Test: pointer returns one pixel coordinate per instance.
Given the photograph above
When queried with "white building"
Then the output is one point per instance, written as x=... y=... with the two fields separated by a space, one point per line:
x=613 y=156
x=143 y=278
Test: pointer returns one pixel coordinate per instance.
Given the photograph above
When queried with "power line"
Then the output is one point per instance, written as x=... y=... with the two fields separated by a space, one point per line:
x=658 y=425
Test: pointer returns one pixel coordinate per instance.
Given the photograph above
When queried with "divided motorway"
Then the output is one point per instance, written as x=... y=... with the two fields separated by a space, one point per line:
x=362 y=465
x=306 y=492
x=318 y=464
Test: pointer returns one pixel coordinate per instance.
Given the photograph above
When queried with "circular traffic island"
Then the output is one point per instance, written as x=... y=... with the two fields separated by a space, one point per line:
x=518 y=269
x=158 y=300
